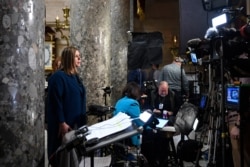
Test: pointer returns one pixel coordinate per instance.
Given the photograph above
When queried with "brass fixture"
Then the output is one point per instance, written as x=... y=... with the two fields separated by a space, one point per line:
x=140 y=11
x=65 y=24
x=174 y=49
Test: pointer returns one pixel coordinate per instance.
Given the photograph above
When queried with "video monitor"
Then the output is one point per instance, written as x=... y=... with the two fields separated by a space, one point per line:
x=203 y=101
x=232 y=97
x=193 y=58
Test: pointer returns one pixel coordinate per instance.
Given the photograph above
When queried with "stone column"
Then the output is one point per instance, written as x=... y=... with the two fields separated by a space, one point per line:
x=120 y=25
x=22 y=82
x=99 y=29
x=90 y=32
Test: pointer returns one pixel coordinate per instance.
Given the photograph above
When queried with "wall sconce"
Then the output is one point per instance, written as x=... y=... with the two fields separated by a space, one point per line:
x=174 y=49
x=175 y=40
x=65 y=24
x=140 y=10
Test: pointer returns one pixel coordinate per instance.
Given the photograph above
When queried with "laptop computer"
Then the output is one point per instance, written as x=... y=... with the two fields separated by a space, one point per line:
x=146 y=117
x=162 y=123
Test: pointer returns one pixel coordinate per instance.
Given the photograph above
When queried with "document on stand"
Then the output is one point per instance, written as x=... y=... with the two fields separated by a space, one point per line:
x=113 y=125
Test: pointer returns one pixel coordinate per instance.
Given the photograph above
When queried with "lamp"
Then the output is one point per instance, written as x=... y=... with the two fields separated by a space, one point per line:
x=65 y=24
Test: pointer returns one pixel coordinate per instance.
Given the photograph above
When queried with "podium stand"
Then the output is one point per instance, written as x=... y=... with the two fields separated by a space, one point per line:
x=73 y=143
x=131 y=131
x=86 y=140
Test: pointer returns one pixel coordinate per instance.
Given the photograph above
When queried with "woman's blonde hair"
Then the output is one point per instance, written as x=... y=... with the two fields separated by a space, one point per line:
x=68 y=60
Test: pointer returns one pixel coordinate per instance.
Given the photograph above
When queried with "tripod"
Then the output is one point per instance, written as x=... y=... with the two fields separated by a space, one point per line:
x=107 y=91
x=216 y=116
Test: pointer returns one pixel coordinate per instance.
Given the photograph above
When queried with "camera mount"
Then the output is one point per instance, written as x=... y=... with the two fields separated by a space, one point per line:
x=107 y=91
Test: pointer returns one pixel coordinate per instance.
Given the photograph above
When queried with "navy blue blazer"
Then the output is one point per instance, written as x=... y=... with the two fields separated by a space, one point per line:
x=66 y=103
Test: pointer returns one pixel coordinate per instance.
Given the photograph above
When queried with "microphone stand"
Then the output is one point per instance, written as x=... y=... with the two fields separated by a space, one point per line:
x=106 y=90
x=182 y=135
x=223 y=133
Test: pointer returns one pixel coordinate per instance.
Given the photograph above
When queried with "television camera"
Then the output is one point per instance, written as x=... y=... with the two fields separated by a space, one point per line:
x=222 y=41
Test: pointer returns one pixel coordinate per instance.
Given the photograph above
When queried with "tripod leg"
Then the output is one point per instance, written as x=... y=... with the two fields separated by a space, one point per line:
x=215 y=140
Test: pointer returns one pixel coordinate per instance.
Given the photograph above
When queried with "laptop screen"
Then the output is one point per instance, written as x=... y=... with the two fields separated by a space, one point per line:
x=145 y=116
x=162 y=123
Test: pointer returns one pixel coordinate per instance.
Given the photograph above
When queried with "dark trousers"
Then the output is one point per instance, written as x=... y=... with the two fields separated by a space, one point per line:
x=155 y=148
x=179 y=97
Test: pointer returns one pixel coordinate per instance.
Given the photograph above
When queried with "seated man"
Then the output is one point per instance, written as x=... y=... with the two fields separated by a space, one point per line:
x=155 y=146
x=165 y=100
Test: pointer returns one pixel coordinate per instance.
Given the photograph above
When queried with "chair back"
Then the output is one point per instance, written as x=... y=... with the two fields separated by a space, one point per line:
x=185 y=118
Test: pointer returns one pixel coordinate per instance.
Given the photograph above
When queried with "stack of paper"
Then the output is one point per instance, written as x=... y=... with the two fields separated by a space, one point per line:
x=116 y=124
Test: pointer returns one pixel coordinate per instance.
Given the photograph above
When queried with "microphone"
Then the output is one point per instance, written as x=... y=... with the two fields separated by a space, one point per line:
x=211 y=32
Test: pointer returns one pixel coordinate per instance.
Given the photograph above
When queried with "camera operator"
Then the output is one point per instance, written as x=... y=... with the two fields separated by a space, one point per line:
x=234 y=120
x=177 y=80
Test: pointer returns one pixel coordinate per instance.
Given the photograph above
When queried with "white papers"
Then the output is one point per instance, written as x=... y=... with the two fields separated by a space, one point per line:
x=113 y=125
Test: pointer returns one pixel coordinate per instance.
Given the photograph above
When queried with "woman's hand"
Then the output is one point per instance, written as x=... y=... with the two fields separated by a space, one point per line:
x=63 y=129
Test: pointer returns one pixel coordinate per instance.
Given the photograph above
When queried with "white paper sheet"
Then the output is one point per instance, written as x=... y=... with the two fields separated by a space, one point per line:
x=113 y=125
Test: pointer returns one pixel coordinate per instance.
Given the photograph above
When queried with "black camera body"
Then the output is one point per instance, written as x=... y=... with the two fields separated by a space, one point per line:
x=227 y=43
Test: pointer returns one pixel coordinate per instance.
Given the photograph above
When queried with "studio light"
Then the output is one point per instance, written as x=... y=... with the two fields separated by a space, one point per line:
x=219 y=20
